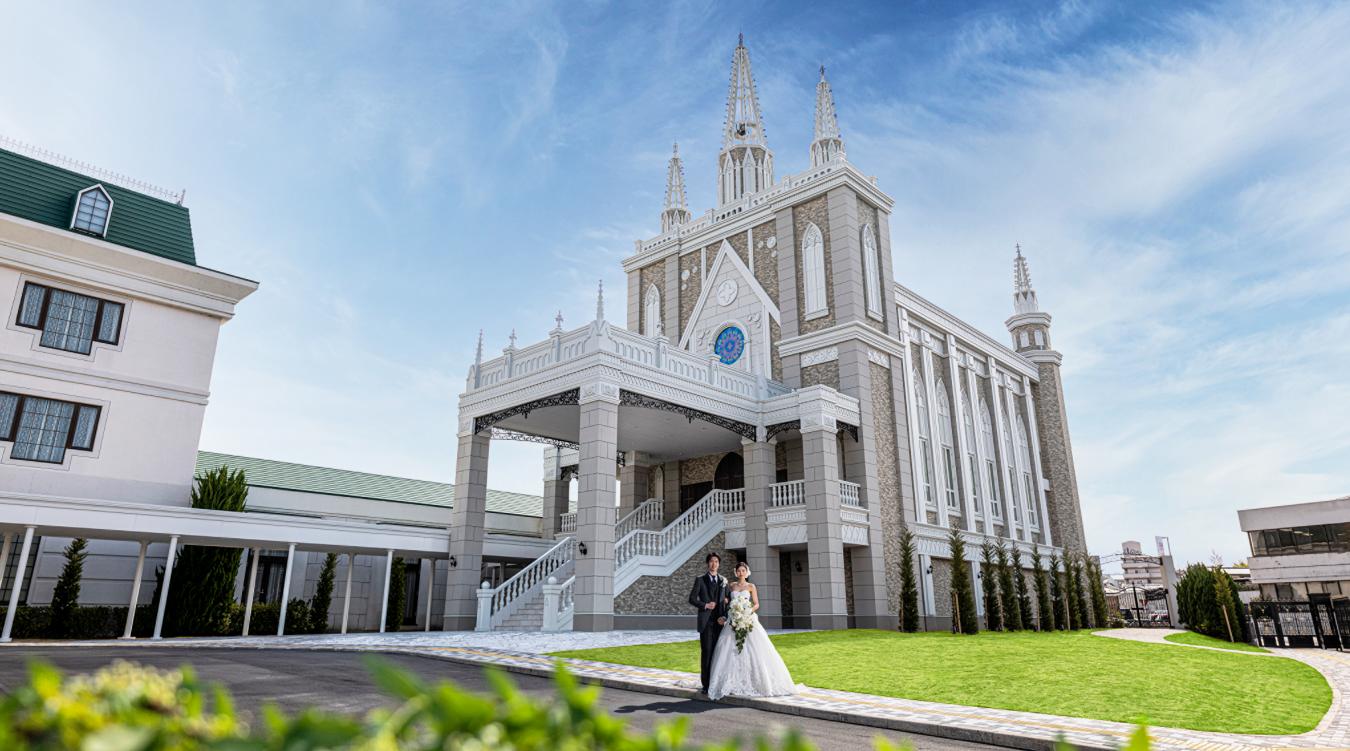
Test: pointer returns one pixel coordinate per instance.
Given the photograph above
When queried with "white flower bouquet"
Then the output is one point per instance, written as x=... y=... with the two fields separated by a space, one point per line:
x=741 y=616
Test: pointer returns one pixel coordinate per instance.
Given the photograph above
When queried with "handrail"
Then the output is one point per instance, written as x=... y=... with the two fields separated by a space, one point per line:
x=790 y=493
x=506 y=596
x=567 y=522
x=850 y=494
x=650 y=510
x=647 y=542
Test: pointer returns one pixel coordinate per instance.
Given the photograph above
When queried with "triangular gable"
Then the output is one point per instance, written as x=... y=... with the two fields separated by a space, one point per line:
x=726 y=255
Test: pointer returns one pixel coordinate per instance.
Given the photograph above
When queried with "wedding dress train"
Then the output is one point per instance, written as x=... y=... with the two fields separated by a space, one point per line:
x=757 y=670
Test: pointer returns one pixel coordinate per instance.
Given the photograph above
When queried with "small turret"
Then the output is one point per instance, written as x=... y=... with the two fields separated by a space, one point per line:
x=677 y=205
x=746 y=163
x=827 y=145
x=1030 y=328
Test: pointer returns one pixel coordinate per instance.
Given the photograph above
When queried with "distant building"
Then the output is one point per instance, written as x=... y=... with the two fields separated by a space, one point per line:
x=1299 y=550
x=1142 y=570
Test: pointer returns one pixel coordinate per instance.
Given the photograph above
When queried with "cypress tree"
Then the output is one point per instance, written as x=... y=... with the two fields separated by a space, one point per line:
x=398 y=597
x=1012 y=615
x=1082 y=612
x=200 y=605
x=993 y=618
x=909 y=590
x=66 y=596
x=1100 y=612
x=1059 y=603
x=1044 y=610
x=323 y=596
x=963 y=600
x=1020 y=582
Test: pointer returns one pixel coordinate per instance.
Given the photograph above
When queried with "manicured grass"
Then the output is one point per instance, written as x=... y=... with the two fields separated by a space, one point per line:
x=1200 y=640
x=1073 y=674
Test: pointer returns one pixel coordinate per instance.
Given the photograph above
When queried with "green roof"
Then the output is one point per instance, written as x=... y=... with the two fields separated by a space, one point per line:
x=44 y=193
x=303 y=478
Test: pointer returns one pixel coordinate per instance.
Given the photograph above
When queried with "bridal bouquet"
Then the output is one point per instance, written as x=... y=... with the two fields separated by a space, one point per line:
x=742 y=619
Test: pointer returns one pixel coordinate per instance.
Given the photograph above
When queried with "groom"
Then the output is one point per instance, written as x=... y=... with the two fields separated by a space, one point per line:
x=707 y=595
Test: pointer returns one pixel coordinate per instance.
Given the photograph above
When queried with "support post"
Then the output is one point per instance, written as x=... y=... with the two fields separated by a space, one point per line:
x=286 y=590
x=596 y=514
x=552 y=591
x=5 y=545
x=135 y=590
x=555 y=492
x=824 y=540
x=384 y=599
x=347 y=591
x=17 y=586
x=252 y=587
x=763 y=560
x=164 y=588
x=483 y=620
x=431 y=587
x=468 y=517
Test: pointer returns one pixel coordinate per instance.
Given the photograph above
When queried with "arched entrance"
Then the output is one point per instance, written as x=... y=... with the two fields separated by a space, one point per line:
x=730 y=473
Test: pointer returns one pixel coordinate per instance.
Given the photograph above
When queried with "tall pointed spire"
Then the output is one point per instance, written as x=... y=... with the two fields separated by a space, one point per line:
x=827 y=145
x=600 y=302
x=677 y=206
x=745 y=164
x=1024 y=297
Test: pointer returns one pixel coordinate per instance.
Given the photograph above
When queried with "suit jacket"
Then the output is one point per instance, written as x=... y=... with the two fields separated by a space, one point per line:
x=704 y=592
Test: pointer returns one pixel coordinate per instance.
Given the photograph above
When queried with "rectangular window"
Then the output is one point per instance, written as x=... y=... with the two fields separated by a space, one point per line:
x=950 y=460
x=69 y=321
x=995 y=505
x=1013 y=500
x=975 y=483
x=42 y=430
x=927 y=452
x=1031 y=500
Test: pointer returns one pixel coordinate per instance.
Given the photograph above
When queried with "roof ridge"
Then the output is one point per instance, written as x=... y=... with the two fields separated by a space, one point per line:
x=91 y=171
x=332 y=469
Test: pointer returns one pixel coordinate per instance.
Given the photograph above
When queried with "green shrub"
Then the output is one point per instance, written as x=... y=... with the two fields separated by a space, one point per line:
x=84 y=622
x=297 y=617
x=323 y=596
x=66 y=595
x=263 y=622
x=1201 y=603
x=1044 y=608
x=963 y=600
x=1059 y=603
x=909 y=590
x=1100 y=613
x=1007 y=593
x=993 y=615
x=126 y=706
x=398 y=597
x=202 y=607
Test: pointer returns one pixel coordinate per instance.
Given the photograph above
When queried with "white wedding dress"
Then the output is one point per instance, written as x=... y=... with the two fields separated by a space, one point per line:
x=757 y=670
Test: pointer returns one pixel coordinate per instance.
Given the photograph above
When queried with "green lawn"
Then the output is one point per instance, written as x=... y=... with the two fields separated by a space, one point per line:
x=1074 y=674
x=1200 y=640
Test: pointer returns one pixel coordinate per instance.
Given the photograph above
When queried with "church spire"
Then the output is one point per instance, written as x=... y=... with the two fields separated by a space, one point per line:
x=745 y=164
x=1024 y=297
x=677 y=206
x=827 y=145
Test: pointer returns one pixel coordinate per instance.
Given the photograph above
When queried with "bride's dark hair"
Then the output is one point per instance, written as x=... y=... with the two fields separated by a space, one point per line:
x=743 y=565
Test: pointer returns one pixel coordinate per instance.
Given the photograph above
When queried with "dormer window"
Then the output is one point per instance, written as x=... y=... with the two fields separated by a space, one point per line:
x=93 y=206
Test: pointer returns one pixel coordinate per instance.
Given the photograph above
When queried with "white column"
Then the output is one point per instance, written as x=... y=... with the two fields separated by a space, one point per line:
x=1037 y=475
x=911 y=421
x=431 y=581
x=347 y=591
x=1010 y=494
x=926 y=587
x=135 y=589
x=252 y=588
x=384 y=600
x=979 y=587
x=18 y=584
x=164 y=588
x=286 y=589
x=962 y=457
x=981 y=475
x=8 y=542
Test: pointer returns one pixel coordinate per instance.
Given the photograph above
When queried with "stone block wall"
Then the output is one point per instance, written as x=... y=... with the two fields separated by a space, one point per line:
x=691 y=284
x=821 y=374
x=669 y=595
x=815 y=211
x=654 y=274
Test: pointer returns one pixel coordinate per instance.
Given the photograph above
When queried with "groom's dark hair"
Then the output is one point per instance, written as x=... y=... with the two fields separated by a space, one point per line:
x=708 y=558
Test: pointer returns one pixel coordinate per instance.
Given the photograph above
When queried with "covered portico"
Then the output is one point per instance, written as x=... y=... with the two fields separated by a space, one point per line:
x=609 y=398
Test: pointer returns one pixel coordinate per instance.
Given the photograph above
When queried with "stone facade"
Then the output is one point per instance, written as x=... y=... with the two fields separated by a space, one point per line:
x=867 y=215
x=1066 y=513
x=815 y=211
x=652 y=274
x=822 y=374
x=669 y=595
x=699 y=469
x=888 y=478
x=691 y=284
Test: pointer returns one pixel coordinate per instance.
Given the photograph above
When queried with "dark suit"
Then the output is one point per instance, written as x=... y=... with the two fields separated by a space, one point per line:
x=709 y=630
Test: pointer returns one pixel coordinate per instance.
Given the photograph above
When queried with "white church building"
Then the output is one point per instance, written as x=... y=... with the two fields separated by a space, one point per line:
x=776 y=396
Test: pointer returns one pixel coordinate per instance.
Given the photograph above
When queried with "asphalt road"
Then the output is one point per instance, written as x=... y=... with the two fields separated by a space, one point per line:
x=339 y=682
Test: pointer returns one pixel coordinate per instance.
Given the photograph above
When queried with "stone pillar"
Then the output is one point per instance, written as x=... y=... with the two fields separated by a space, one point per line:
x=671 y=509
x=1056 y=451
x=556 y=489
x=1037 y=468
x=599 y=439
x=467 y=520
x=846 y=265
x=763 y=559
x=1011 y=498
x=824 y=533
x=632 y=483
x=871 y=602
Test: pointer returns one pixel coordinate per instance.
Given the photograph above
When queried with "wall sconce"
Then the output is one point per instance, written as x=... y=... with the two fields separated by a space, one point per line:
x=581 y=548
x=453 y=563
x=799 y=567
x=929 y=570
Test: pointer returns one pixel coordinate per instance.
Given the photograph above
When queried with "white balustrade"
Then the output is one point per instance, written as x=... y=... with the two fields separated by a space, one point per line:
x=849 y=494
x=505 y=598
x=643 y=542
x=558 y=604
x=567 y=522
x=792 y=493
x=649 y=513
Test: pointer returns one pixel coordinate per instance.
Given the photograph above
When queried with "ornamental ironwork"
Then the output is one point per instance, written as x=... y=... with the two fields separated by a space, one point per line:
x=782 y=427
x=566 y=398
x=504 y=434
x=850 y=429
x=568 y=472
x=630 y=399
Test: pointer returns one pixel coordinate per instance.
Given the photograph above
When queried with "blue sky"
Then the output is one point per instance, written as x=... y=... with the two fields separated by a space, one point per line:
x=397 y=178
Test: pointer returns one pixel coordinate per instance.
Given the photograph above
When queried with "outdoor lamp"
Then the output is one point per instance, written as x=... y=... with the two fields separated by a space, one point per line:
x=453 y=563
x=581 y=548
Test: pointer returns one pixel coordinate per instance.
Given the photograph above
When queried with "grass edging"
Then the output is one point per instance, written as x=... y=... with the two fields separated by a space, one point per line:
x=1194 y=639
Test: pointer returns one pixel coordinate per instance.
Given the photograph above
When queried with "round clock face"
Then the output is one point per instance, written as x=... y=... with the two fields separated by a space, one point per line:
x=726 y=292
x=730 y=345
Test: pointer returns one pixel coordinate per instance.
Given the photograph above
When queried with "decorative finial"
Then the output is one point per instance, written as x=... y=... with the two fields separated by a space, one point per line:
x=675 y=148
x=822 y=72
x=1019 y=249
x=740 y=40
x=512 y=339
x=600 y=302
x=558 y=319
x=478 y=355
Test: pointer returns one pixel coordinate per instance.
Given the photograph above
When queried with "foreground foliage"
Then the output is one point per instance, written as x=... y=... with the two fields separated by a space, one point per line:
x=126 y=707
x=1073 y=674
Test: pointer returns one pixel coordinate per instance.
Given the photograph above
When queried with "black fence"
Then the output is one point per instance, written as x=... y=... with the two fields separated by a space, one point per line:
x=1319 y=621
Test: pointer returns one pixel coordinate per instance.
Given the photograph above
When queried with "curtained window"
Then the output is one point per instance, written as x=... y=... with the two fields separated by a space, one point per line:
x=69 y=321
x=42 y=430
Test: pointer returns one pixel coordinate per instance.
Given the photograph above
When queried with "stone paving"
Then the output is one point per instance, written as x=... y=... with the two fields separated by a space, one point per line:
x=525 y=652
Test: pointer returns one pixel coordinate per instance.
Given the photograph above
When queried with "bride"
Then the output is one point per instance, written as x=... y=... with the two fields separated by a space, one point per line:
x=755 y=670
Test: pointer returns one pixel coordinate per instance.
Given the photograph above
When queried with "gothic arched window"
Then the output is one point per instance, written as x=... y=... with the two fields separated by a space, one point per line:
x=1024 y=462
x=871 y=270
x=1014 y=495
x=925 y=443
x=813 y=271
x=651 y=318
x=92 y=208
x=944 y=412
x=990 y=467
x=968 y=422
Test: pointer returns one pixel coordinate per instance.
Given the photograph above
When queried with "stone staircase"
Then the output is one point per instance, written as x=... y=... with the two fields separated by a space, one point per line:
x=528 y=616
